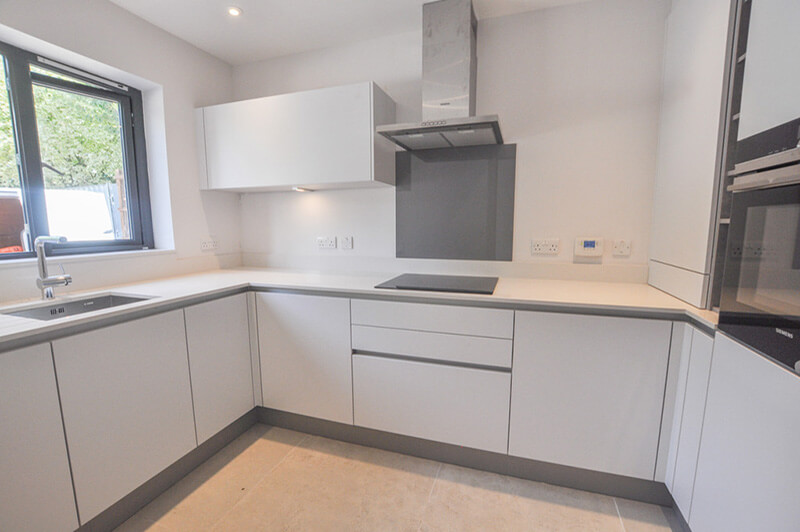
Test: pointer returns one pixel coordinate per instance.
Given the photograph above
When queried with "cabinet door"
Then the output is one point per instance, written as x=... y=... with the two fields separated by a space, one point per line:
x=304 y=342
x=680 y=355
x=686 y=176
x=219 y=361
x=35 y=484
x=587 y=391
x=457 y=405
x=127 y=406
x=303 y=138
x=694 y=405
x=747 y=470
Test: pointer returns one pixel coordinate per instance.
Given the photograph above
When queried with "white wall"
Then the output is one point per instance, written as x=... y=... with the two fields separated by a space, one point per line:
x=175 y=78
x=577 y=89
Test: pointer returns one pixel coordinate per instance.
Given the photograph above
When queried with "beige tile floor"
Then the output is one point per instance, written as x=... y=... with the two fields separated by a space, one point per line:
x=276 y=479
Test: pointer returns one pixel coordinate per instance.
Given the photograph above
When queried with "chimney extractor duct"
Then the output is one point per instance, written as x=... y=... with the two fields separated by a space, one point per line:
x=449 y=71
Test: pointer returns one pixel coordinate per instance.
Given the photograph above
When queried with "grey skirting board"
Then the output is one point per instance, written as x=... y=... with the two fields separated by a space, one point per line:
x=126 y=507
x=571 y=477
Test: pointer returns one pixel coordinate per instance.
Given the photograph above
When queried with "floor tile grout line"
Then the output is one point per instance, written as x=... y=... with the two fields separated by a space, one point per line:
x=619 y=514
x=435 y=480
x=430 y=494
x=261 y=480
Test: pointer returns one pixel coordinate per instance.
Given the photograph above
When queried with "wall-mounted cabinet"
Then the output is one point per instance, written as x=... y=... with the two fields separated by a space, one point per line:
x=318 y=139
x=694 y=98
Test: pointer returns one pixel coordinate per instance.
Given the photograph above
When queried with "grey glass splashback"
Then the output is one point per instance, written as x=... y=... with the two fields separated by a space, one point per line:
x=456 y=203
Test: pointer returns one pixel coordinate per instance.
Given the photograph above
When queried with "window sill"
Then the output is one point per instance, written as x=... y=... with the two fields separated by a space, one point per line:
x=86 y=257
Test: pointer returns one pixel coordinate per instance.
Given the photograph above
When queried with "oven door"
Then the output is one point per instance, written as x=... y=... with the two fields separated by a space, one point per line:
x=760 y=302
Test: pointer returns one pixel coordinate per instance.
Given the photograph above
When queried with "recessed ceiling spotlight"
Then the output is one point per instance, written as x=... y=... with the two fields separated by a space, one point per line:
x=302 y=189
x=234 y=11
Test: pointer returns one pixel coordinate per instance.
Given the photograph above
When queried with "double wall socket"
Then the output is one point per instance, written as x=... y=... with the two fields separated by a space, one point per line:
x=209 y=245
x=545 y=246
x=331 y=242
x=326 y=242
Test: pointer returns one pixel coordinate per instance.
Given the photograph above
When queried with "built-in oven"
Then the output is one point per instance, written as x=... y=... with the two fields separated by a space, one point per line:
x=760 y=303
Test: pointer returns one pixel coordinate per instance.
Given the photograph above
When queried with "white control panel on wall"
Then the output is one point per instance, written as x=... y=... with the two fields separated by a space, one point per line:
x=588 y=247
x=347 y=242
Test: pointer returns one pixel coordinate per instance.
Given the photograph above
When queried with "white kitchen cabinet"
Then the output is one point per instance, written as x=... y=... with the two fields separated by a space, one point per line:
x=477 y=350
x=217 y=333
x=322 y=138
x=127 y=406
x=689 y=144
x=456 y=405
x=304 y=343
x=444 y=319
x=689 y=419
x=674 y=392
x=35 y=484
x=587 y=391
x=747 y=470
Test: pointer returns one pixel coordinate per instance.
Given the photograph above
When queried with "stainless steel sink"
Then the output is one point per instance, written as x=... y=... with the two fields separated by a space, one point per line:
x=76 y=306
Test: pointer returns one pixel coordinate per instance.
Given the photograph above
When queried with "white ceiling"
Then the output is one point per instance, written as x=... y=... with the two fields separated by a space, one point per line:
x=273 y=28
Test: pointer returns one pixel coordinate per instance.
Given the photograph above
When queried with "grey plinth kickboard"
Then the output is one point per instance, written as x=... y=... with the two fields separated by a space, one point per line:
x=571 y=477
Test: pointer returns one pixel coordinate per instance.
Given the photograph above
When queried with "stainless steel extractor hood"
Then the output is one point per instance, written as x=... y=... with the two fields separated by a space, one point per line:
x=449 y=68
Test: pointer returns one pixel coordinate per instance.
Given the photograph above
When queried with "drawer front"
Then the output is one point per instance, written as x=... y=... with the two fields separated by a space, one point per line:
x=460 y=406
x=478 y=350
x=494 y=323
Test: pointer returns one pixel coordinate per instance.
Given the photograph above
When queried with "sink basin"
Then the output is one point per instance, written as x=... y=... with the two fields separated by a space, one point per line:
x=73 y=307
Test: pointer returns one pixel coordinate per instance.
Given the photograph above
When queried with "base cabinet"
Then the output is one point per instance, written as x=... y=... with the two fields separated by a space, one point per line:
x=217 y=333
x=35 y=484
x=588 y=391
x=456 y=405
x=691 y=404
x=747 y=470
x=127 y=406
x=304 y=343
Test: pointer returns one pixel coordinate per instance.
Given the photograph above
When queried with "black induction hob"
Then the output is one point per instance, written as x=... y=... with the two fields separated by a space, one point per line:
x=442 y=283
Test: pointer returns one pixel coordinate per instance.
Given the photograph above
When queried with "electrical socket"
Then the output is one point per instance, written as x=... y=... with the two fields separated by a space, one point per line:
x=347 y=242
x=209 y=245
x=622 y=248
x=326 y=242
x=545 y=246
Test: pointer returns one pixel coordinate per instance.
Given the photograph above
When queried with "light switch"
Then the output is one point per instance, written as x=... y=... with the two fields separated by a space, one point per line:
x=622 y=248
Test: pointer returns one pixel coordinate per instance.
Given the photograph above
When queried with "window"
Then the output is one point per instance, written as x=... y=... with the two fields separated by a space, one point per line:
x=72 y=159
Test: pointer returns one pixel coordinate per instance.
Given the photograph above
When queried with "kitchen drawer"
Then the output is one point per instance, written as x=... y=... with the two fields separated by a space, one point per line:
x=478 y=350
x=456 y=405
x=494 y=323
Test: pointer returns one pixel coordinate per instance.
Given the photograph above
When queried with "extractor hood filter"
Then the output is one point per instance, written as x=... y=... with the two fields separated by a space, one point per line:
x=453 y=133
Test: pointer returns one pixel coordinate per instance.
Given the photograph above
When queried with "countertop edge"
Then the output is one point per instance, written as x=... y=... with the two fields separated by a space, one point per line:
x=49 y=331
